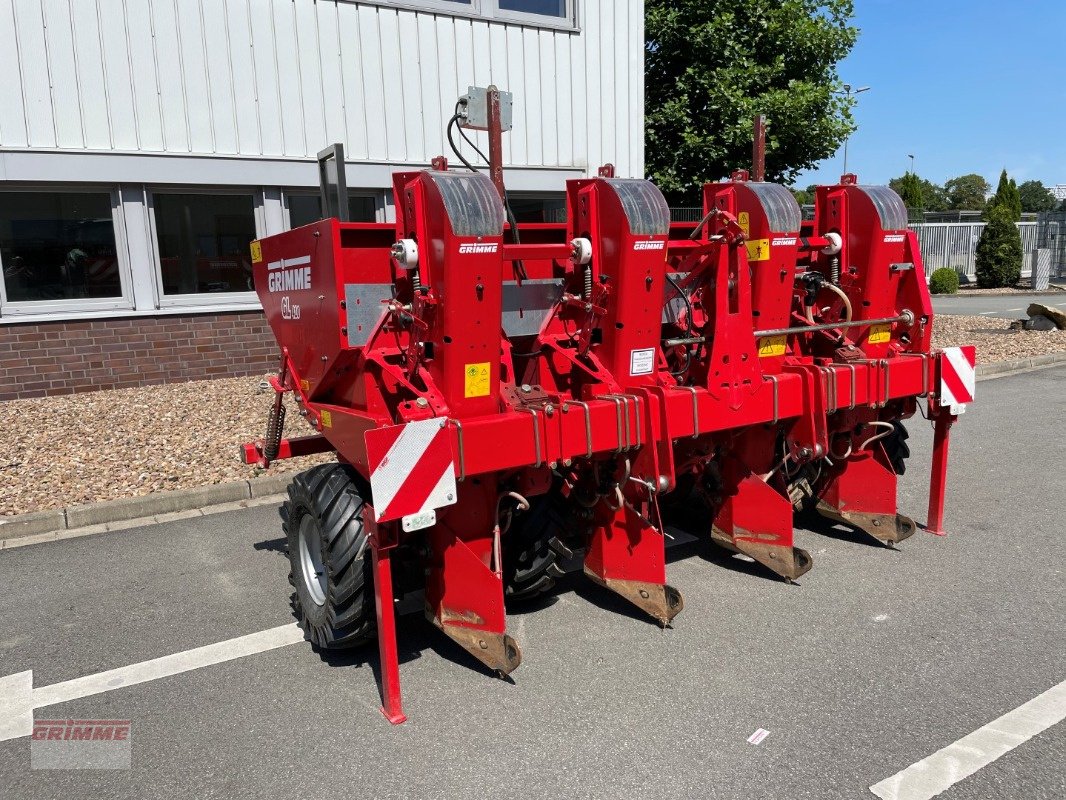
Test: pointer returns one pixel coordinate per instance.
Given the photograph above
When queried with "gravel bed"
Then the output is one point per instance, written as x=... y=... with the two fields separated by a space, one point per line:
x=60 y=451
x=994 y=339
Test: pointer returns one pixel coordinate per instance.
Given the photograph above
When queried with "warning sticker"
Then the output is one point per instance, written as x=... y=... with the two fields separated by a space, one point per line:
x=257 y=252
x=327 y=419
x=642 y=362
x=759 y=250
x=879 y=334
x=477 y=379
x=744 y=220
x=771 y=346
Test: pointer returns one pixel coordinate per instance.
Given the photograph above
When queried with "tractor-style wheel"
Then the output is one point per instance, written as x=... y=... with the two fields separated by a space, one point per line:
x=896 y=447
x=533 y=548
x=329 y=556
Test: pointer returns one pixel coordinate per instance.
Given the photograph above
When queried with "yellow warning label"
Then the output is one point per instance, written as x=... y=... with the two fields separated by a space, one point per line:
x=744 y=220
x=327 y=419
x=477 y=379
x=771 y=346
x=257 y=252
x=758 y=250
x=879 y=334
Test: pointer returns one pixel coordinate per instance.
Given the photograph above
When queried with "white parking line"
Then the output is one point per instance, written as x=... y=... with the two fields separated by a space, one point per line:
x=1013 y=309
x=931 y=776
x=988 y=313
x=18 y=698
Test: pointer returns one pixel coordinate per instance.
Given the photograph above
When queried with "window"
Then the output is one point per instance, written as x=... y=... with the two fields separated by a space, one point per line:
x=57 y=246
x=550 y=207
x=203 y=242
x=550 y=8
x=539 y=13
x=307 y=208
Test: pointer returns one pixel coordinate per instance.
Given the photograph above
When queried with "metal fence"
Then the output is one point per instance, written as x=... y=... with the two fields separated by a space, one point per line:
x=1051 y=234
x=954 y=244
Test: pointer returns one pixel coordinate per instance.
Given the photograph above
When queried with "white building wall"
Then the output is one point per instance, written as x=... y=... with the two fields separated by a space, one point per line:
x=138 y=97
x=280 y=79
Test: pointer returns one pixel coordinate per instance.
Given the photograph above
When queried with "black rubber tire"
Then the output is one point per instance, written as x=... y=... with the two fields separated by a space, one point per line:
x=329 y=494
x=896 y=447
x=533 y=548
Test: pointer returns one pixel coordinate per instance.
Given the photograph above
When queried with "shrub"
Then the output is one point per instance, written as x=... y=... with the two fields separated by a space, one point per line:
x=999 y=251
x=944 y=281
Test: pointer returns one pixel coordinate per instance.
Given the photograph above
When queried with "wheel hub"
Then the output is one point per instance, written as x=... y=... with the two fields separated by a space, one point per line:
x=311 y=568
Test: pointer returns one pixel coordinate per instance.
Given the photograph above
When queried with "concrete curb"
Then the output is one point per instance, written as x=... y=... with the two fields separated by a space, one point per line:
x=1000 y=368
x=111 y=515
x=130 y=511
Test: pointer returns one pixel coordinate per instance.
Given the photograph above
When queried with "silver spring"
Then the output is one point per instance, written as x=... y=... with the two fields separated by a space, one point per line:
x=416 y=281
x=588 y=283
x=834 y=270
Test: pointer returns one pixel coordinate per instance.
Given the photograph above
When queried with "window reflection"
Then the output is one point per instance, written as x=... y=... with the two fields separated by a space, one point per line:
x=58 y=246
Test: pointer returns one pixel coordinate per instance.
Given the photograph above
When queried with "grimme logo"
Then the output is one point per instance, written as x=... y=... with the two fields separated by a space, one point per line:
x=80 y=744
x=894 y=239
x=97 y=730
x=468 y=248
x=653 y=245
x=289 y=274
x=784 y=241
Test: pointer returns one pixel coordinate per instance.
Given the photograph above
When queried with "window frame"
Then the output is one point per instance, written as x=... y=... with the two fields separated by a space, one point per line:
x=490 y=11
x=12 y=309
x=203 y=300
x=567 y=20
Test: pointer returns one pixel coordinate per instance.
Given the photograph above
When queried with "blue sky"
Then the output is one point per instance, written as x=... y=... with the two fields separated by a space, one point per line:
x=964 y=85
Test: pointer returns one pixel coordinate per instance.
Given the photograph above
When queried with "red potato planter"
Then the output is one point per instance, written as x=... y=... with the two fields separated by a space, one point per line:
x=499 y=406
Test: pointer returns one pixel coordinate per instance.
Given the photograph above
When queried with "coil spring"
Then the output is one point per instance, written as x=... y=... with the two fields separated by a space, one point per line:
x=275 y=425
x=588 y=284
x=834 y=270
x=416 y=281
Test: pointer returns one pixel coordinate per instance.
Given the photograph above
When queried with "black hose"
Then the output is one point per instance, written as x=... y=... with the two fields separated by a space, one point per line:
x=685 y=300
x=519 y=267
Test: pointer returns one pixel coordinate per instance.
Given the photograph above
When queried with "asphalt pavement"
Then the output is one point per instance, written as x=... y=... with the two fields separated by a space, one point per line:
x=1004 y=306
x=877 y=659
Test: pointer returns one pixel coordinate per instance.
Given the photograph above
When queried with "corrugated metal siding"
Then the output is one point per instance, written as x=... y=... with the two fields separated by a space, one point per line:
x=286 y=77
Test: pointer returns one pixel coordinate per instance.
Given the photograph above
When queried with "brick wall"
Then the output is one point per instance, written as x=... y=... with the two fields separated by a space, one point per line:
x=66 y=357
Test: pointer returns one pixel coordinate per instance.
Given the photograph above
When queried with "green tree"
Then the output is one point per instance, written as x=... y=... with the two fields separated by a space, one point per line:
x=967 y=192
x=1006 y=196
x=910 y=191
x=998 y=258
x=1036 y=197
x=803 y=197
x=712 y=65
x=934 y=198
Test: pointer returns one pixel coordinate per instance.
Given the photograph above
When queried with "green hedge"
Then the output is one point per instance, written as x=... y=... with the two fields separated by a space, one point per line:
x=944 y=281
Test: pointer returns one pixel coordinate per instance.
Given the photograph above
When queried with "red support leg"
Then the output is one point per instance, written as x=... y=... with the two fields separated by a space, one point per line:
x=391 y=705
x=938 y=479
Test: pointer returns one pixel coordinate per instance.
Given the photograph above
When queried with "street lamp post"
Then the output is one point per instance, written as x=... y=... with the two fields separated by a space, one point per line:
x=849 y=92
x=911 y=157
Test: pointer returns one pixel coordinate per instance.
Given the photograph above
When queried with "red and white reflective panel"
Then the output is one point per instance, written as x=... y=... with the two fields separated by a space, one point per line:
x=958 y=377
x=412 y=471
